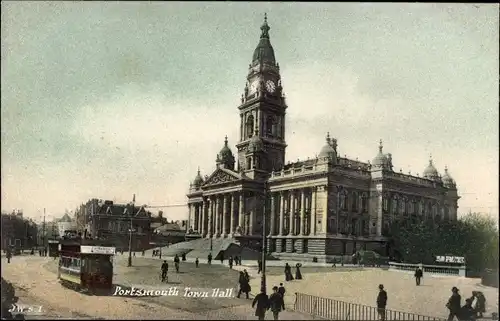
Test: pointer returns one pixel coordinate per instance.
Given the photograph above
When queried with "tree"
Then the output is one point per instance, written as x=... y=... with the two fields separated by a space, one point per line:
x=474 y=236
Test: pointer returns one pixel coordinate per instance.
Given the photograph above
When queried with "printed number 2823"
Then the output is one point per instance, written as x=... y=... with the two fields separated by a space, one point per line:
x=25 y=308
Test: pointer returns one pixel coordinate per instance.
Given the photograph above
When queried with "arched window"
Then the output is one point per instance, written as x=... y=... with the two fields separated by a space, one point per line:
x=421 y=207
x=434 y=210
x=270 y=126
x=250 y=126
x=343 y=201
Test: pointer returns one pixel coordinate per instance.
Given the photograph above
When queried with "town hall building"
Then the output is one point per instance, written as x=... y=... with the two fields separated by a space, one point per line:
x=321 y=207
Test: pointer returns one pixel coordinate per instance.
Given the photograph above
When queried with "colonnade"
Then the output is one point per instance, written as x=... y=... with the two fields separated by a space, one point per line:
x=296 y=212
x=291 y=212
x=219 y=215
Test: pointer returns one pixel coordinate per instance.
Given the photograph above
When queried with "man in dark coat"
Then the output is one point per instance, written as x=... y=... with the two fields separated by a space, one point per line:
x=230 y=262
x=276 y=303
x=281 y=290
x=288 y=272
x=209 y=258
x=480 y=303
x=381 y=302
x=454 y=304
x=467 y=312
x=419 y=274
x=262 y=301
x=244 y=285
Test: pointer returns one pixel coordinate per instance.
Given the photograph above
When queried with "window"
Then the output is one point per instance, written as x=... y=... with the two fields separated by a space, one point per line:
x=411 y=207
x=385 y=203
x=249 y=126
x=364 y=202
x=354 y=202
x=270 y=126
x=402 y=205
x=394 y=205
x=343 y=201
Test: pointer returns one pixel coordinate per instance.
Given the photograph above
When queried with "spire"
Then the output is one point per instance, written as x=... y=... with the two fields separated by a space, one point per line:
x=430 y=160
x=328 y=137
x=380 y=146
x=446 y=169
x=225 y=141
x=265 y=28
x=198 y=170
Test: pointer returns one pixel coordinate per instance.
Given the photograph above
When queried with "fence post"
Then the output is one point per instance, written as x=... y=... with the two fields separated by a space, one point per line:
x=295 y=303
x=315 y=305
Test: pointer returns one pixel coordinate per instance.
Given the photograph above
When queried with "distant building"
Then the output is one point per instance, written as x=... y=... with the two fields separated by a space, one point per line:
x=17 y=231
x=107 y=220
x=170 y=233
x=65 y=224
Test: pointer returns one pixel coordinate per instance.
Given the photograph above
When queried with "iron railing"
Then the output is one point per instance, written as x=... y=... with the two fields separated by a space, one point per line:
x=329 y=309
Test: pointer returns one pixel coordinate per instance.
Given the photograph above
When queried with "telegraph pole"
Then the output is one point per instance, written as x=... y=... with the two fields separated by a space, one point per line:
x=43 y=233
x=129 y=263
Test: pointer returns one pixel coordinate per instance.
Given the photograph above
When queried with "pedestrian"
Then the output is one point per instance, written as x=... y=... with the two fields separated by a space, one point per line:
x=176 y=263
x=197 y=262
x=262 y=301
x=419 y=274
x=480 y=303
x=244 y=285
x=259 y=263
x=183 y=257
x=282 y=290
x=298 y=275
x=381 y=302
x=247 y=276
x=276 y=303
x=230 y=262
x=454 y=304
x=209 y=258
x=288 y=273
x=8 y=255
x=143 y=252
x=221 y=257
x=467 y=312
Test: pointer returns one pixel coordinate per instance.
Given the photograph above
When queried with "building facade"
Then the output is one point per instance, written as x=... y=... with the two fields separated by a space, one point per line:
x=320 y=207
x=110 y=221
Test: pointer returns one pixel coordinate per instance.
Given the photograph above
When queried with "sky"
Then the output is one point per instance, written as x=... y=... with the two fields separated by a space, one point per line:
x=107 y=99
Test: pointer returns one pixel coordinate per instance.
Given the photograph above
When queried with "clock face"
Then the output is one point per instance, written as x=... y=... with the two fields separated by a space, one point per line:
x=253 y=86
x=270 y=86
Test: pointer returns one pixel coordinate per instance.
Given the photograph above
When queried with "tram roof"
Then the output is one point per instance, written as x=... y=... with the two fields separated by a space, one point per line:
x=89 y=242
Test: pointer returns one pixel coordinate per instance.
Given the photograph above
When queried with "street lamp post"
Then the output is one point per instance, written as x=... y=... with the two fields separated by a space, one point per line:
x=263 y=275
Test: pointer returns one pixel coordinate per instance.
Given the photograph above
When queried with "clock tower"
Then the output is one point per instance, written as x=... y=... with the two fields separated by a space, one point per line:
x=261 y=148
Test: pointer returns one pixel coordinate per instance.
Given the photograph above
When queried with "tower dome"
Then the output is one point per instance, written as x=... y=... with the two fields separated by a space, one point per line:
x=380 y=160
x=255 y=144
x=225 y=156
x=448 y=181
x=431 y=172
x=198 y=180
x=327 y=150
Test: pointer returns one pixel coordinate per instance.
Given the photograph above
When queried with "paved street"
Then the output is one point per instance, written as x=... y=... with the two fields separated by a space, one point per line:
x=36 y=283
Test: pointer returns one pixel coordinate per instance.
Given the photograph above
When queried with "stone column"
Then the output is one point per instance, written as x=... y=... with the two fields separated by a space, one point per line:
x=217 y=215
x=313 y=212
x=282 y=213
x=224 y=215
x=203 y=217
x=233 y=214
x=273 y=215
x=241 y=209
x=292 y=213
x=302 y=212
x=210 y=216
x=253 y=213
x=190 y=214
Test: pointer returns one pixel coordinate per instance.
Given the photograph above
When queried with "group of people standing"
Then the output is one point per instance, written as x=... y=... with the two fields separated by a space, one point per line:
x=468 y=311
x=288 y=272
x=275 y=302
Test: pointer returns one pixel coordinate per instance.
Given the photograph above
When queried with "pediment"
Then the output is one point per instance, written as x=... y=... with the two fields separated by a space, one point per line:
x=221 y=176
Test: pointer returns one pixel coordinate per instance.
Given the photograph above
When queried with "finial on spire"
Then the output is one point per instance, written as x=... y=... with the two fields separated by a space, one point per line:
x=225 y=140
x=430 y=159
x=446 y=168
x=265 y=28
x=328 y=137
x=198 y=170
x=380 y=146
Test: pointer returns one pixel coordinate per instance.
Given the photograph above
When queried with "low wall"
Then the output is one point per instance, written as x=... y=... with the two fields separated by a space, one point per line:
x=438 y=270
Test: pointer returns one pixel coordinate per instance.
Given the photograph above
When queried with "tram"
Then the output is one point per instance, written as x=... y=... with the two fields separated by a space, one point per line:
x=86 y=265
